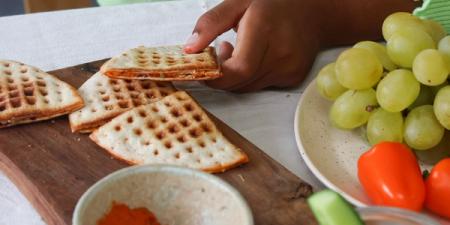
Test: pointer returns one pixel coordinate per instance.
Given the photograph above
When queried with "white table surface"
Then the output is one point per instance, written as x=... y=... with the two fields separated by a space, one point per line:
x=65 y=38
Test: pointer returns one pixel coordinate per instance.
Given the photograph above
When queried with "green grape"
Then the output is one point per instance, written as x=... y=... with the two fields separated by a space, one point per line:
x=435 y=89
x=437 y=153
x=444 y=45
x=385 y=126
x=446 y=59
x=400 y=20
x=358 y=69
x=422 y=129
x=430 y=67
x=406 y=43
x=442 y=106
x=382 y=77
x=378 y=50
x=435 y=30
x=397 y=90
x=352 y=109
x=327 y=84
x=425 y=97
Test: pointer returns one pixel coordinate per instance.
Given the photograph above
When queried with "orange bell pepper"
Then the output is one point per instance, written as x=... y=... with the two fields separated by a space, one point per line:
x=391 y=176
x=438 y=189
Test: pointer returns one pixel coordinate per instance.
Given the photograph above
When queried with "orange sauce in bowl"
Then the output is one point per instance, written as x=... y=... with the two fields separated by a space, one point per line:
x=121 y=214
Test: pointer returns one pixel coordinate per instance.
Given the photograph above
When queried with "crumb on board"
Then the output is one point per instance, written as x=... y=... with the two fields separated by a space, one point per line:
x=242 y=177
x=78 y=139
x=52 y=121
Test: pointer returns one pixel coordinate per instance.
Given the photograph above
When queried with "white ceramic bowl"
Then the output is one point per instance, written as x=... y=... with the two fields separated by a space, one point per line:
x=393 y=216
x=330 y=153
x=175 y=195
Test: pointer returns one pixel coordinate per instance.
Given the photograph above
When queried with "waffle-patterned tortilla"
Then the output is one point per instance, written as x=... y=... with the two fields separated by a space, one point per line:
x=28 y=94
x=168 y=63
x=105 y=98
x=174 y=130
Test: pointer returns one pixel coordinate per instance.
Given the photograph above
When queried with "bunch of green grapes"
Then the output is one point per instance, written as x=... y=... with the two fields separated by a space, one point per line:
x=399 y=91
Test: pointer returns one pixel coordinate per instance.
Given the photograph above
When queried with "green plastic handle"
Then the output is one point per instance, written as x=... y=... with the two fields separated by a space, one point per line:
x=437 y=10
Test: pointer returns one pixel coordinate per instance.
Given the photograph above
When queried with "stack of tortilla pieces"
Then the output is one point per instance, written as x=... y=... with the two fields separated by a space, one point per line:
x=138 y=116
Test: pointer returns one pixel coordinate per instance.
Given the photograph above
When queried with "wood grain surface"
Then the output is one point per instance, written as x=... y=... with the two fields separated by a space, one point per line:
x=54 y=167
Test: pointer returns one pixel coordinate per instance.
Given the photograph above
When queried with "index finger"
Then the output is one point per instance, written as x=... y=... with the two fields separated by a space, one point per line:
x=215 y=22
x=243 y=65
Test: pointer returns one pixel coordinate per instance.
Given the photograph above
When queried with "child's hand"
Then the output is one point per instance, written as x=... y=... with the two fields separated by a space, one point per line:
x=277 y=42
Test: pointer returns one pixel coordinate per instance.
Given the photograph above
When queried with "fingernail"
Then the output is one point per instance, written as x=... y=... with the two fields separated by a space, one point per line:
x=191 y=41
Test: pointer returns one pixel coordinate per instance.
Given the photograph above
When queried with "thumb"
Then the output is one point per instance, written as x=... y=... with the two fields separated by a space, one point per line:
x=214 y=22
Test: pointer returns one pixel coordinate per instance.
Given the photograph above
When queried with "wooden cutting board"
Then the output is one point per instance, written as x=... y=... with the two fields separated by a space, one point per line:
x=54 y=167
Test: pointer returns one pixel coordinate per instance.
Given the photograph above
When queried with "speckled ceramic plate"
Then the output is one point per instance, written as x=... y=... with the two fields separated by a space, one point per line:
x=330 y=153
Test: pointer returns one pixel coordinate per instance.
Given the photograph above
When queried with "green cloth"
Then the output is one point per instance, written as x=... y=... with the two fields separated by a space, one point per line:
x=121 y=2
x=437 y=10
